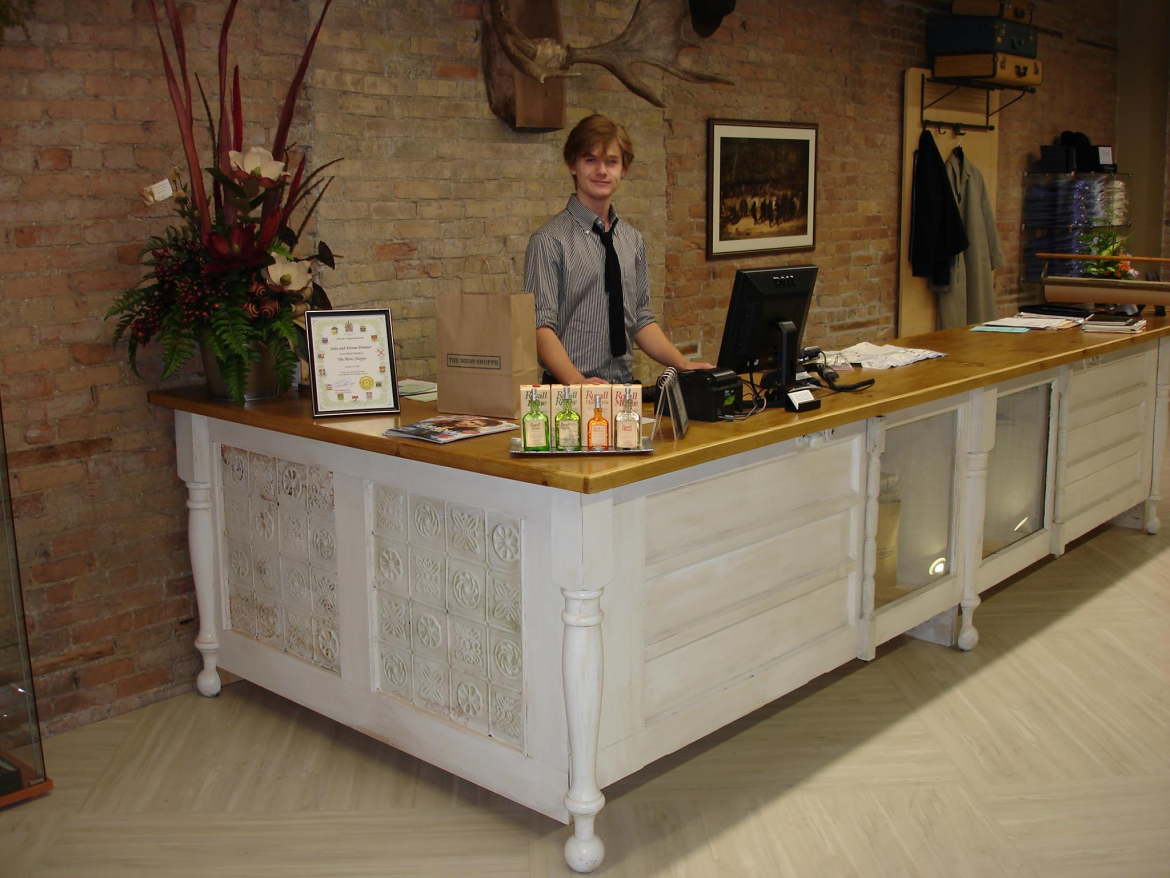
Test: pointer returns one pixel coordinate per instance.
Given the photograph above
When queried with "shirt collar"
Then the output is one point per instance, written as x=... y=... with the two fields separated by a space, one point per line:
x=587 y=218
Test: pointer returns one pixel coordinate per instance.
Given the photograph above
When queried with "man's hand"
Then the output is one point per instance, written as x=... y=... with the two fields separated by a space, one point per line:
x=691 y=366
x=594 y=381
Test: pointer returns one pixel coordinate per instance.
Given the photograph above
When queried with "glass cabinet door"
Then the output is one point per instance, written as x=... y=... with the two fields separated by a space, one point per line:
x=22 y=766
x=1017 y=469
x=915 y=507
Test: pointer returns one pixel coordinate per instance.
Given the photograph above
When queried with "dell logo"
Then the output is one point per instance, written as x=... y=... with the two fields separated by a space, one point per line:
x=784 y=280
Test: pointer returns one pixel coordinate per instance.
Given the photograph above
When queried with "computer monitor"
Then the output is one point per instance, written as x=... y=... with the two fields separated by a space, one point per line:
x=755 y=336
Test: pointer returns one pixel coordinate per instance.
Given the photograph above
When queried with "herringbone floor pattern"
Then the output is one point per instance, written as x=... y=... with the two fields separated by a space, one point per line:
x=1045 y=752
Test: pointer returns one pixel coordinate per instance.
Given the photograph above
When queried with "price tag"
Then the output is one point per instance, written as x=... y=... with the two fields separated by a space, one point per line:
x=160 y=191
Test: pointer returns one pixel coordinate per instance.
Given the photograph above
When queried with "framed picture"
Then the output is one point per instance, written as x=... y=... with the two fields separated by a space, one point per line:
x=761 y=186
x=352 y=357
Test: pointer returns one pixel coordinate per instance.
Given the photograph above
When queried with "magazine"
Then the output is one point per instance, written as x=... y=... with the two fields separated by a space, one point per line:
x=451 y=428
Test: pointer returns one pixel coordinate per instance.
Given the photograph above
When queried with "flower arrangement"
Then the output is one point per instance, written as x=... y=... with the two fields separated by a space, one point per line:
x=225 y=278
x=1106 y=242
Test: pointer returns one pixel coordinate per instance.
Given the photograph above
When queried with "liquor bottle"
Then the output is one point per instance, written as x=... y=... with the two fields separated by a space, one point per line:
x=568 y=424
x=535 y=424
x=597 y=432
x=627 y=425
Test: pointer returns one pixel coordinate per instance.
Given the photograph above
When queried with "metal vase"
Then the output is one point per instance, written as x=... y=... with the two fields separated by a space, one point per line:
x=261 y=384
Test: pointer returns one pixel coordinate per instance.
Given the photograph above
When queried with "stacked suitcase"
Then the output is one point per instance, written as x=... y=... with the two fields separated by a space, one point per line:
x=989 y=40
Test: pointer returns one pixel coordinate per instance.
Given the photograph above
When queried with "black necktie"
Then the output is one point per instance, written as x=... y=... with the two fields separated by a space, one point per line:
x=613 y=288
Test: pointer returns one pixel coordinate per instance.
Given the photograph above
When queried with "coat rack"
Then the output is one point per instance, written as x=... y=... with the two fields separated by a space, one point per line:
x=957 y=128
x=950 y=110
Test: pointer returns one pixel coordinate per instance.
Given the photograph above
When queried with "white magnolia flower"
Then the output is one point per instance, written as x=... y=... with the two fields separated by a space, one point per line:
x=258 y=164
x=288 y=275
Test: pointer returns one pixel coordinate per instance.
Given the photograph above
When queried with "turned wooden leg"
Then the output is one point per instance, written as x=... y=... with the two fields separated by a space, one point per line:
x=581 y=665
x=968 y=635
x=199 y=533
x=983 y=414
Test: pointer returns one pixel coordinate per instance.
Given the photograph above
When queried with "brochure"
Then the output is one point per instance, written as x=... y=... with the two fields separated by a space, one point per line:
x=451 y=428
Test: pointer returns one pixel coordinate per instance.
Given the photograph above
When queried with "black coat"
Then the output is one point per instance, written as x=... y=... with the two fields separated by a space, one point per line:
x=936 y=229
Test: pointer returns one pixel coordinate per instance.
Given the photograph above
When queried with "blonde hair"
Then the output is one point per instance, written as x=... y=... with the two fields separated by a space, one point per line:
x=597 y=130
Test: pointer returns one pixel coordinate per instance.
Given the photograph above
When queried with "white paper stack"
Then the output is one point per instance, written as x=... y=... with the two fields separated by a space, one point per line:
x=872 y=356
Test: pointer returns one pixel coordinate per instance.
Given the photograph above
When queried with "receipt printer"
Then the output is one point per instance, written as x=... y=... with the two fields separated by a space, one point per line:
x=710 y=394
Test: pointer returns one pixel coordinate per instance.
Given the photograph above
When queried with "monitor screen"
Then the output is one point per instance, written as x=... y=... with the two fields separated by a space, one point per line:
x=760 y=300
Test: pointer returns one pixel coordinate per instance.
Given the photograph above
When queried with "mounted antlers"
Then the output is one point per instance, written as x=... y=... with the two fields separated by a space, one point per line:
x=658 y=31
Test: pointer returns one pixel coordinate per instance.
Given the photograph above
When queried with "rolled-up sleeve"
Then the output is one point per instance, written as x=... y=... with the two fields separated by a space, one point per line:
x=644 y=316
x=543 y=275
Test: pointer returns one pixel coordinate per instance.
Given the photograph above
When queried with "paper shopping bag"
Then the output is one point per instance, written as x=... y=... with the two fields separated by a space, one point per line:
x=486 y=349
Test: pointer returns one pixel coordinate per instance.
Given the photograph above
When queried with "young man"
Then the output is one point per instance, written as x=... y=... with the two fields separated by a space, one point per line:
x=588 y=272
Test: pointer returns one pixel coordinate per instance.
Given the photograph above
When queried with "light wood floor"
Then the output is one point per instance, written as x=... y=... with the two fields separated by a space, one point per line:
x=1045 y=752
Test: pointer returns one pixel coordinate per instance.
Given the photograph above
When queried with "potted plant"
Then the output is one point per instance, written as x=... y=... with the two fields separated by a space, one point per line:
x=225 y=279
x=1105 y=241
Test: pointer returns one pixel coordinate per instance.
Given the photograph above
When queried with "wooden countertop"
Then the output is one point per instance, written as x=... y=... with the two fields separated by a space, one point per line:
x=974 y=359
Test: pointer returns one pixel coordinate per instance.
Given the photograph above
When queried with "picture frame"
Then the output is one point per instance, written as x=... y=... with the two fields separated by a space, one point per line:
x=761 y=186
x=351 y=357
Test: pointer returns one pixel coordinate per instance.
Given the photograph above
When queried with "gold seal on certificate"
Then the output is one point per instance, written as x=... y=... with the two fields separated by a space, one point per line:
x=353 y=352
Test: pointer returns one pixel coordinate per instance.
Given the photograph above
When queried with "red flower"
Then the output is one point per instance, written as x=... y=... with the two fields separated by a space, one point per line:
x=235 y=250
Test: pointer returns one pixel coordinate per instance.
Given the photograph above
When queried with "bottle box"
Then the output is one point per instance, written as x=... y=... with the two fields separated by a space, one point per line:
x=543 y=394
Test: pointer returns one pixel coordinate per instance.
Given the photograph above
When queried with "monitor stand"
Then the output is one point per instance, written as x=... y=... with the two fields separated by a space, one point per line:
x=778 y=384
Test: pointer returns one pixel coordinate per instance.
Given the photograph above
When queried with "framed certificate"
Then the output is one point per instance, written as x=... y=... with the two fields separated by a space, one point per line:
x=352 y=357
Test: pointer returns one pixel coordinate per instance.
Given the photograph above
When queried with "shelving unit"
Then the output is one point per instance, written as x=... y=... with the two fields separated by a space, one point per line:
x=958 y=82
x=1060 y=208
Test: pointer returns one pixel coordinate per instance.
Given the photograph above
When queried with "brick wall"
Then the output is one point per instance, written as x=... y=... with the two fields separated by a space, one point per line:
x=435 y=196
x=84 y=123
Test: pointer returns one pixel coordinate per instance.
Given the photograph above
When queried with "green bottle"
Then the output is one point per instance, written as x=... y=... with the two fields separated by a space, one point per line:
x=568 y=424
x=535 y=424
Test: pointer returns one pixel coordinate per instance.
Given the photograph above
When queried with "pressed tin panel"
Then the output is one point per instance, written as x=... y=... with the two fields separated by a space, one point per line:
x=280 y=554
x=447 y=610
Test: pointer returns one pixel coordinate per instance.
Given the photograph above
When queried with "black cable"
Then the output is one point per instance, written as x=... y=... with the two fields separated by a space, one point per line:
x=830 y=377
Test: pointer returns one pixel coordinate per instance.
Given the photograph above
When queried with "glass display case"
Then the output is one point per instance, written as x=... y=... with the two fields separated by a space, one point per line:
x=22 y=764
x=915 y=532
x=1061 y=209
x=1017 y=469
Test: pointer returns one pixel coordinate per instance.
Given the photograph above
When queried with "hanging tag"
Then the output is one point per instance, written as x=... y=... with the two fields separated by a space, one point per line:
x=160 y=191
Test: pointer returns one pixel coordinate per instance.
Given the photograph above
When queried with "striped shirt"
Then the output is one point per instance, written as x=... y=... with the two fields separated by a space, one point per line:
x=565 y=268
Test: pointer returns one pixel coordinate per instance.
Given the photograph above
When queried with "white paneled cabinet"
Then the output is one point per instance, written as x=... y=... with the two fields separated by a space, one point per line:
x=544 y=643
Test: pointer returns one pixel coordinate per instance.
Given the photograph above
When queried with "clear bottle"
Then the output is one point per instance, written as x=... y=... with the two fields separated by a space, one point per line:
x=597 y=432
x=535 y=424
x=627 y=424
x=568 y=424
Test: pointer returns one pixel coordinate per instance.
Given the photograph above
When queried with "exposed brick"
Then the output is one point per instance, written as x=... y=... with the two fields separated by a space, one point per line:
x=22 y=58
x=143 y=682
x=50 y=477
x=41 y=285
x=47 y=235
x=93 y=353
x=105 y=672
x=58 y=453
x=104 y=280
x=28 y=506
x=36 y=361
x=65 y=568
x=82 y=59
x=26 y=387
x=38 y=434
